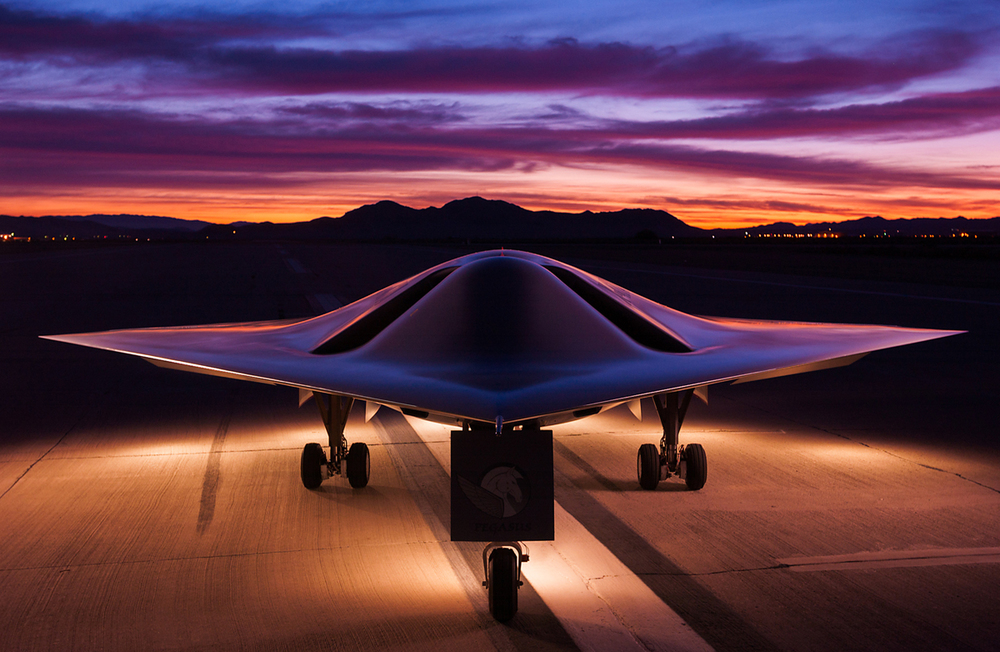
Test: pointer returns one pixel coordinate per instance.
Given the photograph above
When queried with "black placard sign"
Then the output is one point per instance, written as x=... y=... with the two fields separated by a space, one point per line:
x=501 y=486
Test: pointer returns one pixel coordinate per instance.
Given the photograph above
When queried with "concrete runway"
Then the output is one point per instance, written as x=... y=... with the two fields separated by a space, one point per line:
x=140 y=508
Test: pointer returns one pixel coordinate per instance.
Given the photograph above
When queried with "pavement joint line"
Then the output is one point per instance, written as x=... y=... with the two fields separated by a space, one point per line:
x=271 y=449
x=874 y=448
x=971 y=557
x=83 y=415
x=894 y=559
x=644 y=433
x=233 y=555
x=594 y=590
x=236 y=555
x=906 y=459
x=724 y=571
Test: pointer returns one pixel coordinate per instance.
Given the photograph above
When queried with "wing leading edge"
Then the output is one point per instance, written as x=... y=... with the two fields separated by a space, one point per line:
x=507 y=334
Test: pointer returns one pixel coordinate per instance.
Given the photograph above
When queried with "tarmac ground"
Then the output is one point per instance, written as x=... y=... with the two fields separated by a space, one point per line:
x=850 y=509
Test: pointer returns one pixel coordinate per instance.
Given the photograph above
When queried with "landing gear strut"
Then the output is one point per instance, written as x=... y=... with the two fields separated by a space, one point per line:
x=688 y=462
x=502 y=564
x=315 y=467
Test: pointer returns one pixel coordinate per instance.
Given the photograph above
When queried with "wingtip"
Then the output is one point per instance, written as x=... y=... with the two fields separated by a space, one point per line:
x=941 y=333
x=90 y=340
x=69 y=339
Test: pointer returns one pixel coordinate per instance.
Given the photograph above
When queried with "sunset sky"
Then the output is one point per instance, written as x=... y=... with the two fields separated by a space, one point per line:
x=725 y=113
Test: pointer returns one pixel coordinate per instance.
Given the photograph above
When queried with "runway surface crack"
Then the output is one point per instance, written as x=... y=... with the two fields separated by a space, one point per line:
x=727 y=571
x=874 y=448
x=83 y=415
x=906 y=459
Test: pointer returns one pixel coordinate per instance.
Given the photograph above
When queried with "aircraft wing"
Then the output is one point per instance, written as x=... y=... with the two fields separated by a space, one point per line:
x=503 y=334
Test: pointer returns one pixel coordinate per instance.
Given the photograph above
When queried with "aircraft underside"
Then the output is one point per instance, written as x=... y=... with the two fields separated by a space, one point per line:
x=502 y=481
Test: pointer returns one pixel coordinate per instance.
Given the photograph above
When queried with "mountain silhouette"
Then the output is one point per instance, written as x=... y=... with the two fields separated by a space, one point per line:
x=471 y=219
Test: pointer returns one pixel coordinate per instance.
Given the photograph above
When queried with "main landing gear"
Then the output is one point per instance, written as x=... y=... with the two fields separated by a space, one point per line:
x=688 y=462
x=502 y=564
x=315 y=467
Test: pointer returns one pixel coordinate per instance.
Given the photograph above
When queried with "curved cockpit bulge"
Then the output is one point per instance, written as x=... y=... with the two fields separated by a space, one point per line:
x=504 y=310
x=503 y=305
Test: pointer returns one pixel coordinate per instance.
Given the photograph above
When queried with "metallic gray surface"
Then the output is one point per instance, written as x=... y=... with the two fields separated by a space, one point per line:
x=502 y=336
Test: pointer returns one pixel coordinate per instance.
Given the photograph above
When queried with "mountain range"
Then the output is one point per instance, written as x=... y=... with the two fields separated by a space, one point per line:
x=472 y=219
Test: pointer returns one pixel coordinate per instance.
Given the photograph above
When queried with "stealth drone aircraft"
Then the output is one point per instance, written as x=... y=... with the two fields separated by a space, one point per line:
x=501 y=344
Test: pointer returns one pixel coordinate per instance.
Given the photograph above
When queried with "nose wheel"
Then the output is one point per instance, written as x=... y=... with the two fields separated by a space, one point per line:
x=502 y=564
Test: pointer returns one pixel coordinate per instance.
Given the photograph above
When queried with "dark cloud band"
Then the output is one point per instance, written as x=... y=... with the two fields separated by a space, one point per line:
x=253 y=55
x=79 y=144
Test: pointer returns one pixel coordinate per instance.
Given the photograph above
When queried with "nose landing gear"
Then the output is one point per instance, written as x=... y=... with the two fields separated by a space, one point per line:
x=502 y=564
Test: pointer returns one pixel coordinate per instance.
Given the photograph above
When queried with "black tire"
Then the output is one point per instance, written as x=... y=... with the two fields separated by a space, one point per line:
x=359 y=465
x=313 y=459
x=503 y=584
x=697 y=466
x=648 y=466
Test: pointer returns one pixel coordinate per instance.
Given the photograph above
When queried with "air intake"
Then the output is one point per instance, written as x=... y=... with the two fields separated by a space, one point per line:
x=364 y=329
x=636 y=326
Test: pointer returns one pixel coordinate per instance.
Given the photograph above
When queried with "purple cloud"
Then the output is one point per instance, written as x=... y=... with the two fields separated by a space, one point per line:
x=243 y=55
x=733 y=70
x=88 y=39
x=773 y=205
x=404 y=113
x=747 y=70
x=119 y=147
x=805 y=170
x=932 y=115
